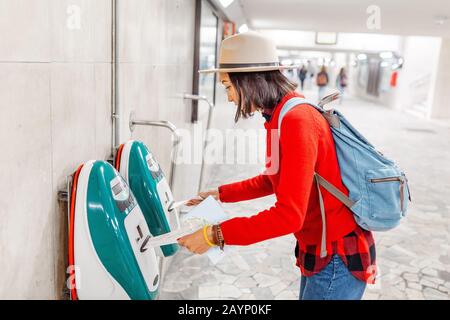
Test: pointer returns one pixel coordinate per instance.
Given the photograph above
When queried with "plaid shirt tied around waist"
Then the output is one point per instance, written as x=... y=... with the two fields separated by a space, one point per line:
x=356 y=249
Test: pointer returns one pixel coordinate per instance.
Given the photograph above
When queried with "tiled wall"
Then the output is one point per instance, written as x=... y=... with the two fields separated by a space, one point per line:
x=55 y=103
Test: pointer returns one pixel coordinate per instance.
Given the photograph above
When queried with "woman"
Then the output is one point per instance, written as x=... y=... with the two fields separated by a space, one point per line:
x=341 y=83
x=322 y=81
x=251 y=76
x=302 y=76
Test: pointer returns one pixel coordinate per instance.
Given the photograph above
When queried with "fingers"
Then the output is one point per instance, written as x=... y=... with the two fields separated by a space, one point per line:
x=214 y=193
x=183 y=241
x=198 y=250
x=201 y=250
x=194 y=242
x=194 y=249
x=193 y=202
x=187 y=246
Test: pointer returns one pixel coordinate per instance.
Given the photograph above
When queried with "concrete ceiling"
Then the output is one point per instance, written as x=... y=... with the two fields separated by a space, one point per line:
x=402 y=17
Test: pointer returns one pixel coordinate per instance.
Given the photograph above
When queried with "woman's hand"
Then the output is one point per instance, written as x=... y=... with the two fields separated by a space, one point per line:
x=195 y=242
x=202 y=196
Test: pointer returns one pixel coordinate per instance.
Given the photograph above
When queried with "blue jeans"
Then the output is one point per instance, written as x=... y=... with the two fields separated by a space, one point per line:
x=334 y=282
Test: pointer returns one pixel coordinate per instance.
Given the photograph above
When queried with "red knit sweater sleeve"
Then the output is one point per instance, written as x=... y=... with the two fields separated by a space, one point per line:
x=252 y=188
x=299 y=144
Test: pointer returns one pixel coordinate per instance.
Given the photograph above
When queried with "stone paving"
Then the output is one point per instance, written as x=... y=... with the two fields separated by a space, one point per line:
x=413 y=259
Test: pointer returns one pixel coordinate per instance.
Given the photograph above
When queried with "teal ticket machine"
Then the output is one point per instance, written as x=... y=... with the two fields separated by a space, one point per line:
x=108 y=257
x=142 y=172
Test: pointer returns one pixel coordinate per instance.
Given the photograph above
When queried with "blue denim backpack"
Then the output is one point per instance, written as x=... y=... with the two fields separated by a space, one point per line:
x=378 y=189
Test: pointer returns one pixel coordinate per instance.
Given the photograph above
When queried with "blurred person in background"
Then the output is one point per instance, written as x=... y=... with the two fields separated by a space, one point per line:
x=311 y=71
x=341 y=83
x=322 y=81
x=302 y=76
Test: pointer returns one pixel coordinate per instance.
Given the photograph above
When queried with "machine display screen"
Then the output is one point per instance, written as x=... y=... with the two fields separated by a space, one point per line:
x=153 y=166
x=117 y=189
x=122 y=195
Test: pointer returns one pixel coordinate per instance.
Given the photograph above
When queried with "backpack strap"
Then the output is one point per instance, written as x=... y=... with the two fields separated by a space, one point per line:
x=329 y=115
x=319 y=180
x=323 y=241
x=291 y=103
x=338 y=194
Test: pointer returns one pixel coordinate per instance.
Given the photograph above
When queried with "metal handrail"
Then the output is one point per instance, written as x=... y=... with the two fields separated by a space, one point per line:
x=420 y=81
x=176 y=141
x=208 y=125
x=198 y=98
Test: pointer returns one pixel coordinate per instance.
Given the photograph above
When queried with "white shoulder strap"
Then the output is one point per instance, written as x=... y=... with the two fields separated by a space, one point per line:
x=287 y=107
x=332 y=119
x=291 y=103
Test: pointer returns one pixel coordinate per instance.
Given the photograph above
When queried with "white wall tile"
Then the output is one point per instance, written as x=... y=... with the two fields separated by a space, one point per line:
x=26 y=257
x=156 y=32
x=81 y=30
x=103 y=124
x=73 y=97
x=81 y=131
x=24 y=30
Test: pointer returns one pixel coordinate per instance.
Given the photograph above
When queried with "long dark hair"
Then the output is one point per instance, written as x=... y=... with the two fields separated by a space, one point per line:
x=261 y=89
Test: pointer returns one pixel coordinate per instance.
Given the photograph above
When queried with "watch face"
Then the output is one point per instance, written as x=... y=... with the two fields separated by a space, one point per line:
x=121 y=193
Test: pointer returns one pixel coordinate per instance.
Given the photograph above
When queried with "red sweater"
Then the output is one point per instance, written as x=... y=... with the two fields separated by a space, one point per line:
x=306 y=145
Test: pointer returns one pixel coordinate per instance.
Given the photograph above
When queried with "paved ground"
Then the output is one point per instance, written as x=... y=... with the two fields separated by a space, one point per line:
x=413 y=259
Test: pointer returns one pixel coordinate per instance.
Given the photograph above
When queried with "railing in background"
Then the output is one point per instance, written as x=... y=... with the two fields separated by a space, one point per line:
x=419 y=95
x=208 y=125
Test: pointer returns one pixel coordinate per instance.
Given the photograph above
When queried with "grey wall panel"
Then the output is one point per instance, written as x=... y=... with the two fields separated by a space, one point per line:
x=24 y=30
x=25 y=182
x=80 y=30
x=81 y=131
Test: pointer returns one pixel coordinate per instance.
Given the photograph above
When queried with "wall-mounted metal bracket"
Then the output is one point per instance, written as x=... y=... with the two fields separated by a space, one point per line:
x=176 y=139
x=64 y=197
x=110 y=161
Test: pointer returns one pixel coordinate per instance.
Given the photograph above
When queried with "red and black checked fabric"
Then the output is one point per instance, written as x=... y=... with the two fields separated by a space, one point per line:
x=356 y=249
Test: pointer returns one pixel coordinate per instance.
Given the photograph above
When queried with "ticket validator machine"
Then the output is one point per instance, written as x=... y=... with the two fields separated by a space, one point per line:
x=108 y=257
x=142 y=172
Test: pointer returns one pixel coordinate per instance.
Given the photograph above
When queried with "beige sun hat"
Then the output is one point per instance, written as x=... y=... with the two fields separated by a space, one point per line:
x=248 y=52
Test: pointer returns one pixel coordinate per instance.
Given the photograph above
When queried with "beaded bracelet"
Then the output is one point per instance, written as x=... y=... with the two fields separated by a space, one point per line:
x=218 y=236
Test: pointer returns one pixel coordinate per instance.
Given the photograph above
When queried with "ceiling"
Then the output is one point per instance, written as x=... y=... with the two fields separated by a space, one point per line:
x=402 y=17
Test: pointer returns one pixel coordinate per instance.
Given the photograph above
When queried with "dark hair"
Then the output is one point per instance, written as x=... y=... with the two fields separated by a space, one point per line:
x=261 y=89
